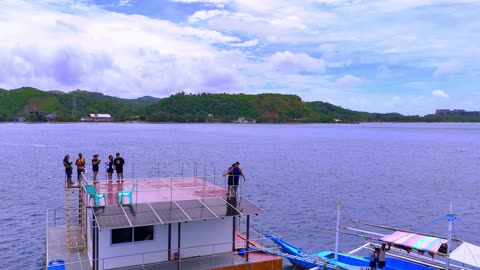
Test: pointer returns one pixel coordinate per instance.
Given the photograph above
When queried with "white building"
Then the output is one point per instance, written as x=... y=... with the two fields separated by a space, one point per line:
x=99 y=117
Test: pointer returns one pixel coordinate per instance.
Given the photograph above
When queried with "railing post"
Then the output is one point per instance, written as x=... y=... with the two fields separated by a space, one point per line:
x=195 y=170
x=133 y=170
x=204 y=181
x=214 y=177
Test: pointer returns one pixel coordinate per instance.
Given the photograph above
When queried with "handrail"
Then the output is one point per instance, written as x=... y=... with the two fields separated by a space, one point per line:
x=195 y=169
x=210 y=175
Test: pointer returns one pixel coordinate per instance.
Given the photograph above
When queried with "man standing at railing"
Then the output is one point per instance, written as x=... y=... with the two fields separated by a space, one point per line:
x=381 y=255
x=80 y=162
x=236 y=172
x=118 y=162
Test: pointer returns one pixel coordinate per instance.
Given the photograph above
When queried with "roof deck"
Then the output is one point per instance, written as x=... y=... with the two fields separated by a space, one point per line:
x=160 y=182
x=155 y=190
x=163 y=201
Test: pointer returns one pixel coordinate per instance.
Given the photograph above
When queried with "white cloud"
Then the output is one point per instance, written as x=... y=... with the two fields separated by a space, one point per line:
x=287 y=61
x=206 y=14
x=447 y=68
x=439 y=93
x=124 y=55
x=208 y=35
x=124 y=3
x=348 y=81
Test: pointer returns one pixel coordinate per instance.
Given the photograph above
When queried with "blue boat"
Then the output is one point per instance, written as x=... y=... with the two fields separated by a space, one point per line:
x=326 y=259
x=433 y=252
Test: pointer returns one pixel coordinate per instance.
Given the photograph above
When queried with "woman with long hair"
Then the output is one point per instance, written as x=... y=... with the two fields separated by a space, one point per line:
x=68 y=169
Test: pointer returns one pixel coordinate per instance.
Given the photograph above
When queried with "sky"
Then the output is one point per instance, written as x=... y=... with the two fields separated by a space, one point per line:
x=405 y=56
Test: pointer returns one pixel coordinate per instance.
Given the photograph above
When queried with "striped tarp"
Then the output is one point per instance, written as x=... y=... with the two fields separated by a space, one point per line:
x=415 y=241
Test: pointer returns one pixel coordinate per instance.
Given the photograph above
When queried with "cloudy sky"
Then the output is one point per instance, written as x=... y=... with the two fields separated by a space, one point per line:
x=406 y=56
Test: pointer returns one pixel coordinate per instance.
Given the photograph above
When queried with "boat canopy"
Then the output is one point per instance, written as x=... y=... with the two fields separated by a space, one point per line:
x=419 y=242
x=467 y=253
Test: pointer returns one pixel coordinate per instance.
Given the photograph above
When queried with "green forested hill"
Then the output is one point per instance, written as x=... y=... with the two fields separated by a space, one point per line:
x=181 y=107
x=13 y=101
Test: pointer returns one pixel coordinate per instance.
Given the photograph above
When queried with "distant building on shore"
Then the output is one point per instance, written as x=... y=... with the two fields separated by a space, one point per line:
x=30 y=110
x=99 y=117
x=457 y=112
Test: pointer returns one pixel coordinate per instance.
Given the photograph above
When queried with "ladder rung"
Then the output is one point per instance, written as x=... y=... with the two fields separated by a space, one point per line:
x=73 y=219
x=73 y=222
x=76 y=237
x=73 y=216
x=77 y=247
x=74 y=230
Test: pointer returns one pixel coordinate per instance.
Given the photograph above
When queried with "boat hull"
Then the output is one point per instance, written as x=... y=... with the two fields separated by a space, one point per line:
x=326 y=259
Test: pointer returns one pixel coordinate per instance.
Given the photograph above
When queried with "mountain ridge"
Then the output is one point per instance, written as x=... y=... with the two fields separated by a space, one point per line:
x=181 y=107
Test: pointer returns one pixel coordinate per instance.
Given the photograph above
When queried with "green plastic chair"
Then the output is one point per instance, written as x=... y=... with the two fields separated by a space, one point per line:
x=126 y=193
x=92 y=193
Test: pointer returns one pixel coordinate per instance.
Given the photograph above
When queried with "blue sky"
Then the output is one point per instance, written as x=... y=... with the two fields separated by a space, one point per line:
x=406 y=56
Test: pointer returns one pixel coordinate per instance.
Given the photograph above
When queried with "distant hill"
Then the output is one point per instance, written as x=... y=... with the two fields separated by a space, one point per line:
x=181 y=107
x=12 y=103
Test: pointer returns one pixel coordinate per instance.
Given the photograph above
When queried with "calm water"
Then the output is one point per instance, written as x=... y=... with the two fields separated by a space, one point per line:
x=401 y=175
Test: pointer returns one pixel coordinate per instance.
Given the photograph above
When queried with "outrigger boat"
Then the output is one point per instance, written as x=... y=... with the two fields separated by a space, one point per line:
x=433 y=252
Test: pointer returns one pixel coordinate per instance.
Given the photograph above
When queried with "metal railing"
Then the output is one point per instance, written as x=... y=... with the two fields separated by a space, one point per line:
x=55 y=217
x=180 y=169
x=173 y=174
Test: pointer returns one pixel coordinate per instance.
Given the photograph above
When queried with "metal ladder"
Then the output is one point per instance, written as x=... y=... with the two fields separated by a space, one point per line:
x=75 y=219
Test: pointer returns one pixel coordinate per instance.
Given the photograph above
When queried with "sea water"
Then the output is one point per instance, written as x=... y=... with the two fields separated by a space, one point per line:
x=398 y=175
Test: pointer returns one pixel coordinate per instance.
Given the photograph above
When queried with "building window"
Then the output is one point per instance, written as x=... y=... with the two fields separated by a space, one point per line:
x=132 y=234
x=143 y=233
x=121 y=235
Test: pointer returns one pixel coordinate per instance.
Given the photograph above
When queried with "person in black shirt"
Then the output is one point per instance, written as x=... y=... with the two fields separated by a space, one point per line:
x=118 y=163
x=95 y=163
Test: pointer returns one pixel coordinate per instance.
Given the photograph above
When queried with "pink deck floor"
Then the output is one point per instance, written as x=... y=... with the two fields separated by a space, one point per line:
x=158 y=190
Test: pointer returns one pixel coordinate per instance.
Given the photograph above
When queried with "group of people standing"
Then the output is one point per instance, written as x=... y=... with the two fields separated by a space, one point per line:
x=111 y=165
x=234 y=173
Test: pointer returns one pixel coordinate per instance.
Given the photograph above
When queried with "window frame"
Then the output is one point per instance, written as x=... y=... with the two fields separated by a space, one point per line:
x=131 y=230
